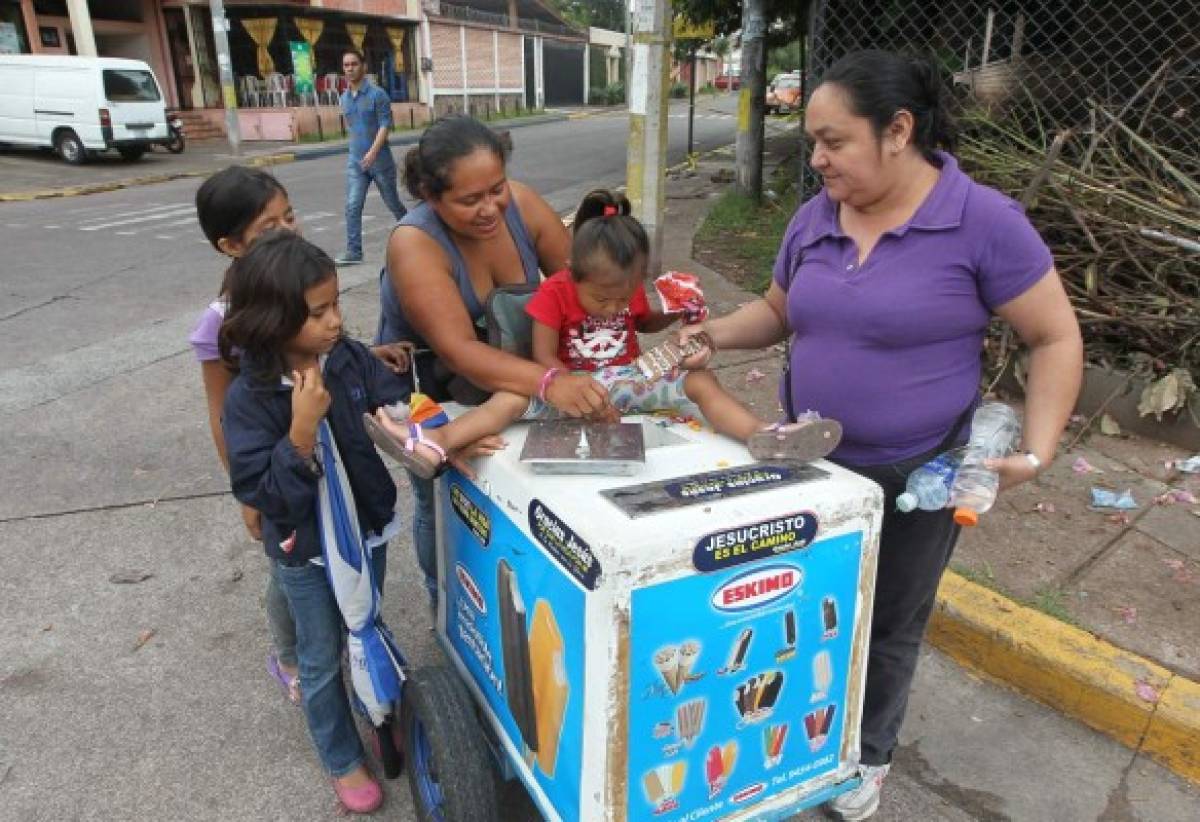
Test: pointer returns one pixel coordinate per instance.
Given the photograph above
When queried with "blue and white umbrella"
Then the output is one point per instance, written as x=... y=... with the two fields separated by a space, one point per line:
x=376 y=664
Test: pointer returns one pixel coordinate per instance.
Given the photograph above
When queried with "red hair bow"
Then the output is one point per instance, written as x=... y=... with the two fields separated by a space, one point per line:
x=610 y=211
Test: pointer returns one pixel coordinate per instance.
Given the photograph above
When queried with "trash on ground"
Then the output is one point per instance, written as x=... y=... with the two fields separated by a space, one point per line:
x=1109 y=426
x=143 y=638
x=1128 y=614
x=1044 y=508
x=1176 y=495
x=1082 y=466
x=1191 y=465
x=1121 y=501
x=130 y=577
x=754 y=375
x=1146 y=692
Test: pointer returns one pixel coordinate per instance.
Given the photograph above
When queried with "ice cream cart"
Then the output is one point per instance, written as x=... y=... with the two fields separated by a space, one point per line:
x=686 y=642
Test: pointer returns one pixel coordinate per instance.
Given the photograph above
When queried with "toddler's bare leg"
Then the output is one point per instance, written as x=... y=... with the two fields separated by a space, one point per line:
x=727 y=415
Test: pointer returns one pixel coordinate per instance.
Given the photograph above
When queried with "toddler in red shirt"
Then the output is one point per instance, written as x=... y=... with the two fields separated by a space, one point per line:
x=586 y=319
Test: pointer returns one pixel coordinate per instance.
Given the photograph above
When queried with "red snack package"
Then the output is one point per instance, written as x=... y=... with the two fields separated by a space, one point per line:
x=679 y=293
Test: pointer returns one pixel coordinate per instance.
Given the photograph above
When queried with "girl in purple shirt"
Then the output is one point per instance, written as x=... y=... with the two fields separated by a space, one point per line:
x=885 y=283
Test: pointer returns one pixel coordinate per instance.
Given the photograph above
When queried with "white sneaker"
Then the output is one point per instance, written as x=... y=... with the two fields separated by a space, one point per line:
x=862 y=802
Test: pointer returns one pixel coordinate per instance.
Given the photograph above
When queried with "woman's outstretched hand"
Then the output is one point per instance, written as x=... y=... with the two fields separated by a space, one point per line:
x=1013 y=470
x=577 y=395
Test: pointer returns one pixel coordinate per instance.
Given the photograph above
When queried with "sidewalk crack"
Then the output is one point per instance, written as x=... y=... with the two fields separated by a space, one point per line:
x=115 y=506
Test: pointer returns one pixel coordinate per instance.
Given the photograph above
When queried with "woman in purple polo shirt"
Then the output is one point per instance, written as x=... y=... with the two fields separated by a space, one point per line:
x=885 y=282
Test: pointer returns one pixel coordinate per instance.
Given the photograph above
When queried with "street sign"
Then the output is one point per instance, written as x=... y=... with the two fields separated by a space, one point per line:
x=302 y=66
x=687 y=30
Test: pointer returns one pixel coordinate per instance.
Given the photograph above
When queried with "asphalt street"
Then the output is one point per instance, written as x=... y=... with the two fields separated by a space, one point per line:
x=149 y=700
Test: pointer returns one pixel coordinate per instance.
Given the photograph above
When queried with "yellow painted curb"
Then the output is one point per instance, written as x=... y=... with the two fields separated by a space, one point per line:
x=1072 y=671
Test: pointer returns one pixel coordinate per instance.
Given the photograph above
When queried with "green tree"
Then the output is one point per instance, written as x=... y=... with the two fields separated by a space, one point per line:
x=604 y=14
x=790 y=17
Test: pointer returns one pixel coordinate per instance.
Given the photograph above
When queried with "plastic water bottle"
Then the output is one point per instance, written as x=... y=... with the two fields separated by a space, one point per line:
x=995 y=430
x=928 y=487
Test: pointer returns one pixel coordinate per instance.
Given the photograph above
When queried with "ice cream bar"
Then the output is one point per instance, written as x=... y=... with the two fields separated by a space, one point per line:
x=550 y=687
x=518 y=676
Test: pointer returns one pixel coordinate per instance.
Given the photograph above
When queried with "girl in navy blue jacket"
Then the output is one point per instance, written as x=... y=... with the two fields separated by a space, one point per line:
x=285 y=325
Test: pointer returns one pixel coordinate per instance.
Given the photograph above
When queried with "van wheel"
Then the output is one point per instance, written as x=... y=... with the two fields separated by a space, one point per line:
x=70 y=148
x=131 y=154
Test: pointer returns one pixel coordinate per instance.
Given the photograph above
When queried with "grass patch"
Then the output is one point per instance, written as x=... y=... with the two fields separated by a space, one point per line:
x=1048 y=600
x=983 y=577
x=1052 y=602
x=741 y=238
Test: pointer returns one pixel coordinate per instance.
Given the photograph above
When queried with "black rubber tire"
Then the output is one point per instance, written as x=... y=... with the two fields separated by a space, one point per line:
x=70 y=148
x=436 y=698
x=131 y=154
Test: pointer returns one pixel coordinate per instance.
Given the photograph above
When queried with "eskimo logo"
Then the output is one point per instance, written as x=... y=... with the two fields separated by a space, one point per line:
x=754 y=589
x=749 y=792
x=470 y=588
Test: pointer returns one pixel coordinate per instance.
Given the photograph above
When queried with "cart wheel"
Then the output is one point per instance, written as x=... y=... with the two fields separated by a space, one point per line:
x=449 y=767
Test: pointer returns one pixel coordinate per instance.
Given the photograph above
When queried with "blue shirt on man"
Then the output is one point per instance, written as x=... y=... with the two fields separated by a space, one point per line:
x=366 y=111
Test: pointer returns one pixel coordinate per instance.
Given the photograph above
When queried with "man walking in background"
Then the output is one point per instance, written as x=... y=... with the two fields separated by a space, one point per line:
x=368 y=112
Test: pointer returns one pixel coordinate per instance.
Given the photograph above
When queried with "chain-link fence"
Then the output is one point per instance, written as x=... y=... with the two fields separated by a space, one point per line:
x=1051 y=64
x=1089 y=113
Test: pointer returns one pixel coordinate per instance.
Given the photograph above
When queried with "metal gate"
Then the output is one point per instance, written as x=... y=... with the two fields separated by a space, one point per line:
x=563 y=65
x=530 y=75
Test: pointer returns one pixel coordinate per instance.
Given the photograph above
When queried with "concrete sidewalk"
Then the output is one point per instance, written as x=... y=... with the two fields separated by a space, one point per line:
x=1125 y=661
x=32 y=175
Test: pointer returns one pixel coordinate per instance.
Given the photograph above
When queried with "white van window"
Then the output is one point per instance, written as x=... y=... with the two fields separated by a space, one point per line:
x=129 y=86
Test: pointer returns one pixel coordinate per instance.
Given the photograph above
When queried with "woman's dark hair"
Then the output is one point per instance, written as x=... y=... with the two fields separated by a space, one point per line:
x=265 y=287
x=878 y=84
x=603 y=224
x=427 y=165
x=230 y=200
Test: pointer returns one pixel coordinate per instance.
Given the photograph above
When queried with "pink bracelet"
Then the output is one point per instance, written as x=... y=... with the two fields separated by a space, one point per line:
x=547 y=378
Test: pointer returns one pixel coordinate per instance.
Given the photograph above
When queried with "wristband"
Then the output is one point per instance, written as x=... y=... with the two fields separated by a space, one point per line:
x=547 y=378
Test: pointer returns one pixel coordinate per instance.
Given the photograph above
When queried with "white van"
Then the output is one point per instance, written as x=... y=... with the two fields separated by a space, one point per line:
x=78 y=105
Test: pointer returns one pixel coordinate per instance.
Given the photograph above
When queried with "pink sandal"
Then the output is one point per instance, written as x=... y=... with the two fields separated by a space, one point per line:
x=365 y=799
x=290 y=685
x=405 y=451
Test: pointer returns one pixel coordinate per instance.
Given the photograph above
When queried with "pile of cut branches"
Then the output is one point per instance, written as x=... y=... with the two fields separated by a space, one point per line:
x=1122 y=216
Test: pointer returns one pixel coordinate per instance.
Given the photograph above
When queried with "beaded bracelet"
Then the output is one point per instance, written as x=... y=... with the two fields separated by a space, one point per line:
x=547 y=378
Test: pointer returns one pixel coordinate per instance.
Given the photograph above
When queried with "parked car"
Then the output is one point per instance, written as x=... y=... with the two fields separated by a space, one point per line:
x=80 y=105
x=783 y=95
x=728 y=82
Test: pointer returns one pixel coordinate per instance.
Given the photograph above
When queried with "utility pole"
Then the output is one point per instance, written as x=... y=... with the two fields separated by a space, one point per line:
x=752 y=100
x=647 y=95
x=220 y=24
x=691 y=95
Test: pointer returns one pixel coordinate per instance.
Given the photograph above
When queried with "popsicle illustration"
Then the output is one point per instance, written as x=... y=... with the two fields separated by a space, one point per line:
x=550 y=686
x=518 y=675
x=737 y=652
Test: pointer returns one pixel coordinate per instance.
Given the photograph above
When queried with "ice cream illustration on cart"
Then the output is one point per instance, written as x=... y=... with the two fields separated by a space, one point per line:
x=663 y=785
x=817 y=725
x=675 y=664
x=535 y=678
x=755 y=698
x=789 y=637
x=822 y=676
x=718 y=766
x=737 y=653
x=773 y=738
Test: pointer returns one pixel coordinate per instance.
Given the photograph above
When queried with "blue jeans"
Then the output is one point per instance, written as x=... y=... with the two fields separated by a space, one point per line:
x=320 y=634
x=279 y=620
x=424 y=532
x=383 y=174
